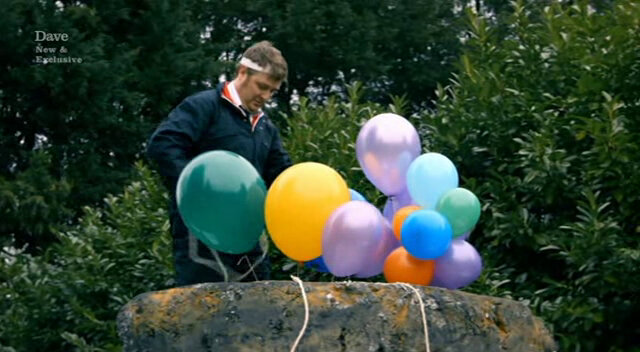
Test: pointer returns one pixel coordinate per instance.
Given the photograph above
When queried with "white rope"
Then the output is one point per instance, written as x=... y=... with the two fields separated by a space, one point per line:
x=219 y=267
x=193 y=253
x=306 y=313
x=223 y=267
x=424 y=316
x=251 y=266
x=264 y=246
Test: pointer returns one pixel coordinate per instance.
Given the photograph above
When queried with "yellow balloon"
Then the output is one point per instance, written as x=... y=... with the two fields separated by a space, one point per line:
x=298 y=204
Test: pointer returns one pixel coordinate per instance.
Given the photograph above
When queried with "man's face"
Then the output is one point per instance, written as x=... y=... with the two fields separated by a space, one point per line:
x=256 y=89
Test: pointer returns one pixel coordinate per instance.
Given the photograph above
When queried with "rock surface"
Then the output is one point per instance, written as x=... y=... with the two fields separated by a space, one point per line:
x=343 y=316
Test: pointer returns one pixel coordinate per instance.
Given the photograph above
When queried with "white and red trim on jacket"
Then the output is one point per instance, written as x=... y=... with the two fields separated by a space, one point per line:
x=230 y=93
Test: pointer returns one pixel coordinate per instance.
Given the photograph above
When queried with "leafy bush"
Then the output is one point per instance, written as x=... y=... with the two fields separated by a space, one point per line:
x=33 y=204
x=543 y=127
x=70 y=295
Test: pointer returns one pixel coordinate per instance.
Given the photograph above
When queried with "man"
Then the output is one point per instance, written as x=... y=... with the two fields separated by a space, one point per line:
x=229 y=118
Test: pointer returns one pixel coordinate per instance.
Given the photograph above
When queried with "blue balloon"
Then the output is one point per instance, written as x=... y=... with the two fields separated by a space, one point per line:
x=426 y=234
x=357 y=196
x=317 y=264
x=429 y=177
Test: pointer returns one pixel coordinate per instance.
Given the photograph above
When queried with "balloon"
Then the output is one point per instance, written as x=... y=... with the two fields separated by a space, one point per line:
x=462 y=208
x=385 y=147
x=298 y=204
x=396 y=202
x=355 y=195
x=426 y=234
x=375 y=263
x=220 y=197
x=429 y=177
x=458 y=267
x=318 y=264
x=400 y=217
x=400 y=266
x=465 y=236
x=351 y=235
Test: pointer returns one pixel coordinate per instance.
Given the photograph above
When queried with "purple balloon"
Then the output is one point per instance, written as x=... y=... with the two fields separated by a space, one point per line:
x=396 y=202
x=350 y=236
x=375 y=263
x=385 y=147
x=457 y=267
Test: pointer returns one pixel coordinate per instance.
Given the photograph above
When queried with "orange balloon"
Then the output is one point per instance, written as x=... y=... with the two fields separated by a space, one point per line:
x=399 y=218
x=400 y=266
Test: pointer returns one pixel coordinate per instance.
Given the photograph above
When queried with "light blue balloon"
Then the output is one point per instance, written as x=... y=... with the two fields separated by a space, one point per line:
x=429 y=177
x=426 y=234
x=355 y=195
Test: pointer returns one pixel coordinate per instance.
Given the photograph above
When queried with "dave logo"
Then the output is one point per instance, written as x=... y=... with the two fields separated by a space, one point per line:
x=42 y=36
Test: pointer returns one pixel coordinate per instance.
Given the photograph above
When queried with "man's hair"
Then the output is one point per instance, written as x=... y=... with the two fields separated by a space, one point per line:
x=267 y=56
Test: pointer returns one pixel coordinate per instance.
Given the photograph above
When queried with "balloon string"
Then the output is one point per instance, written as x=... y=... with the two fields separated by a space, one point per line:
x=220 y=264
x=424 y=316
x=251 y=266
x=193 y=253
x=264 y=246
x=219 y=267
x=306 y=313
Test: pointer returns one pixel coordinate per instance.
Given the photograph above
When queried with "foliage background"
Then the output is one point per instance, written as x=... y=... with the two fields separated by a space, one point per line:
x=536 y=103
x=544 y=124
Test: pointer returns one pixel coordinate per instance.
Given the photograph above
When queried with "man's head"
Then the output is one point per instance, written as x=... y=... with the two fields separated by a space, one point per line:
x=260 y=73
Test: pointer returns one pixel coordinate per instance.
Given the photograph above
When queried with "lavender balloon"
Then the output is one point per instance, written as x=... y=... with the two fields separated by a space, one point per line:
x=385 y=147
x=351 y=234
x=375 y=263
x=457 y=267
x=396 y=202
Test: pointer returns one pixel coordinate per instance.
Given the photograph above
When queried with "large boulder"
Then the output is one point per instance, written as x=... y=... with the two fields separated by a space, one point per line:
x=343 y=316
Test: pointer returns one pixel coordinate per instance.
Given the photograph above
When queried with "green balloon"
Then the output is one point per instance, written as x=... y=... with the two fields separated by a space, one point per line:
x=221 y=197
x=462 y=208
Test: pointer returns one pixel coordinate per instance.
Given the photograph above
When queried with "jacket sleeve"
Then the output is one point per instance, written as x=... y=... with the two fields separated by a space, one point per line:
x=277 y=160
x=173 y=143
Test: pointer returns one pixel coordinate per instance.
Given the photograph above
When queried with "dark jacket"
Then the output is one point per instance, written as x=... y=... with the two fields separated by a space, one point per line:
x=208 y=121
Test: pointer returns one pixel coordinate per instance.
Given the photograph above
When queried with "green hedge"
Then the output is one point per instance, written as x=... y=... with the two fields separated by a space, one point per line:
x=69 y=297
x=543 y=125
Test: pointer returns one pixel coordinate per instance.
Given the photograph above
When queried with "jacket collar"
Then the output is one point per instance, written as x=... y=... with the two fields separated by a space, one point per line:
x=230 y=94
